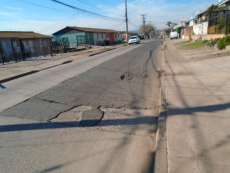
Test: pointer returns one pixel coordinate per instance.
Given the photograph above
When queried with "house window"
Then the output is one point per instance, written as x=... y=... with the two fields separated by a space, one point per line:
x=101 y=35
x=118 y=35
x=97 y=36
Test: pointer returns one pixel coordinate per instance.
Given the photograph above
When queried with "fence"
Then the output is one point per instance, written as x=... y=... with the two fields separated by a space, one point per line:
x=60 y=45
x=219 y=22
x=82 y=42
x=15 y=49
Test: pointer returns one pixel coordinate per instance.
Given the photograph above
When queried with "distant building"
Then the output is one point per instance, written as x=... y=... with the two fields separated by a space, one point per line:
x=94 y=36
x=224 y=3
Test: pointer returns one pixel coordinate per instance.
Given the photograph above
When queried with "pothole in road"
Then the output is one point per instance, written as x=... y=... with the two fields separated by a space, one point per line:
x=82 y=116
x=130 y=75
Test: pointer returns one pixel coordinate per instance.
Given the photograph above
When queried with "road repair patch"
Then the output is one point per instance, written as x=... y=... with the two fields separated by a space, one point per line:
x=127 y=121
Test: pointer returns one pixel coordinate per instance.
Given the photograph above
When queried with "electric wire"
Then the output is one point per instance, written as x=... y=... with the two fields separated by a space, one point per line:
x=31 y=3
x=85 y=11
x=95 y=6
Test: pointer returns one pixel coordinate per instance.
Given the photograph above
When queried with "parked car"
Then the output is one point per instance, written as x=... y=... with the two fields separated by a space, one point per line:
x=174 y=34
x=134 y=39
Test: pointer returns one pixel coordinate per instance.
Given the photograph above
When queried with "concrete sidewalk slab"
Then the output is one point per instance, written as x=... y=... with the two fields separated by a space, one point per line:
x=198 y=116
x=12 y=70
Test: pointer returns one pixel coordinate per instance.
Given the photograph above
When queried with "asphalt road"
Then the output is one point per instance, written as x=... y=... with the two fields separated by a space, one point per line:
x=115 y=94
x=126 y=81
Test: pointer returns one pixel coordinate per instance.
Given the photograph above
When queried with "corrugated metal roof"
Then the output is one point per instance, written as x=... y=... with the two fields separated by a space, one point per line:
x=18 y=34
x=93 y=29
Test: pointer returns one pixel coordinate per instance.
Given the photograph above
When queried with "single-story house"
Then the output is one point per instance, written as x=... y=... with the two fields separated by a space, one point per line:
x=93 y=36
x=16 y=45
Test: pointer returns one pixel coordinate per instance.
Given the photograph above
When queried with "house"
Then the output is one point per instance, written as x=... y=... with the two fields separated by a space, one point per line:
x=17 y=45
x=124 y=35
x=201 y=17
x=93 y=36
x=119 y=36
x=223 y=3
x=183 y=22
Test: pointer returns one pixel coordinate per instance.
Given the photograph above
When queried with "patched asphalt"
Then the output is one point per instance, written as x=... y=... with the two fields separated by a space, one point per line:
x=126 y=81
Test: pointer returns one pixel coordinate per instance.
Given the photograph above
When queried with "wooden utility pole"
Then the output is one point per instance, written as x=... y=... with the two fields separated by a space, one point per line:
x=126 y=19
x=143 y=19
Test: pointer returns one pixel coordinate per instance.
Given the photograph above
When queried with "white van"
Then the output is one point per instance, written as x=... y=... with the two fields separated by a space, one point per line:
x=174 y=34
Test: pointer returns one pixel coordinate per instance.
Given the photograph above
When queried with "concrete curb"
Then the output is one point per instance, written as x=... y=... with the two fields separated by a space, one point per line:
x=35 y=71
x=161 y=161
x=31 y=72
x=102 y=52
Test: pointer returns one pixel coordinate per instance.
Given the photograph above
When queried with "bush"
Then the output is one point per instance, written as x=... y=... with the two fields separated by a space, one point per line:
x=224 y=29
x=210 y=43
x=221 y=45
x=205 y=41
x=212 y=29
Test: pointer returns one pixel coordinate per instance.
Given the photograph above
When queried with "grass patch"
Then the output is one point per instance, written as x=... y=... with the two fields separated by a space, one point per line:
x=165 y=46
x=184 y=42
x=90 y=51
x=194 y=45
x=125 y=44
x=106 y=49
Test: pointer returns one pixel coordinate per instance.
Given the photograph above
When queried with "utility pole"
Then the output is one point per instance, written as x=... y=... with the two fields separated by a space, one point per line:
x=143 y=19
x=126 y=19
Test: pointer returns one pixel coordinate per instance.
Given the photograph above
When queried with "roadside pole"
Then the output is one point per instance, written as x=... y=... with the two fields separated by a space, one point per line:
x=126 y=16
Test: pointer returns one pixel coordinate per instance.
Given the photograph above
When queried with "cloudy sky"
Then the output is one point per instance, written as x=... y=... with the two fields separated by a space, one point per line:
x=47 y=16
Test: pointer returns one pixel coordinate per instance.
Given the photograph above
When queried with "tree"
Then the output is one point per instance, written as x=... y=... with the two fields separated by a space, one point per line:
x=214 y=8
x=169 y=23
x=148 y=29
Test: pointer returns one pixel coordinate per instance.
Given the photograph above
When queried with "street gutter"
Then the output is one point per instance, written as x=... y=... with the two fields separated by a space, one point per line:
x=161 y=159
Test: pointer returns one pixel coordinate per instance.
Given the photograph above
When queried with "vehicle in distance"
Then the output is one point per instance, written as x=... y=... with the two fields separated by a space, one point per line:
x=134 y=39
x=174 y=34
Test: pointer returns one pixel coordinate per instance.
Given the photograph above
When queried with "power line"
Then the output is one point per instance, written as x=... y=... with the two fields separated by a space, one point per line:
x=133 y=24
x=85 y=11
x=93 y=5
x=43 y=6
x=58 y=23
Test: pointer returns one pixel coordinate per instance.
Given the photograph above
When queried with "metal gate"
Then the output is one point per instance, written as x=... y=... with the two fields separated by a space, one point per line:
x=60 y=45
x=82 y=42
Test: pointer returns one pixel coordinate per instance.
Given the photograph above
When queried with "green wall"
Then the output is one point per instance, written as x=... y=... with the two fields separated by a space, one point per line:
x=72 y=37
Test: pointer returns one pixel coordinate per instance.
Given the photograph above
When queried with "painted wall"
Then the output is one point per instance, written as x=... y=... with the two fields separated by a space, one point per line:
x=71 y=37
x=111 y=37
x=119 y=37
x=115 y=37
x=125 y=36
x=213 y=36
x=99 y=38
x=201 y=29
x=90 y=38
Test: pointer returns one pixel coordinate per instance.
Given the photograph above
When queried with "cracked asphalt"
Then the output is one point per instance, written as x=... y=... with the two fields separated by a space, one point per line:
x=44 y=133
x=126 y=81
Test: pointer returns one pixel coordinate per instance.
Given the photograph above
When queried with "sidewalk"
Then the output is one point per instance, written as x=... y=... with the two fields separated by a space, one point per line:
x=13 y=70
x=198 y=111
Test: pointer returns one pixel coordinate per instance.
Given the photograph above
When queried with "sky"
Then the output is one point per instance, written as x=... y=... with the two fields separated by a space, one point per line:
x=47 y=16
